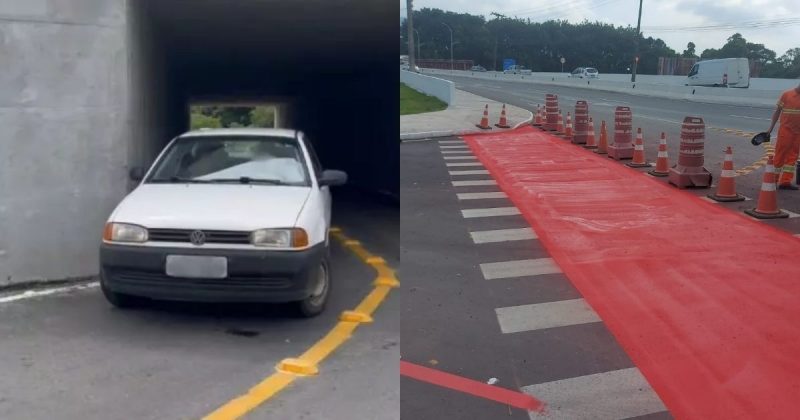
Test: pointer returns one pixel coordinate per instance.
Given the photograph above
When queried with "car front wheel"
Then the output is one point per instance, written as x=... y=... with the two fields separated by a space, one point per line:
x=320 y=290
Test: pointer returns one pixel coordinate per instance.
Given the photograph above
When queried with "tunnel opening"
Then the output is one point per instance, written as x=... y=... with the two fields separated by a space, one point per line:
x=323 y=66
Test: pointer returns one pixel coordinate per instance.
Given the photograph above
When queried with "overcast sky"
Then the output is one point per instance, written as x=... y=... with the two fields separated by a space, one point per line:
x=655 y=13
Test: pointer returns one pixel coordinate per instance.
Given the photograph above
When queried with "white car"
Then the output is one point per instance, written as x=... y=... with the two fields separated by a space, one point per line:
x=585 y=73
x=517 y=69
x=224 y=215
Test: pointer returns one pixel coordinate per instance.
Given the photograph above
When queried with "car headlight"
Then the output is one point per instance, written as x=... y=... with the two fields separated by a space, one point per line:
x=124 y=232
x=280 y=238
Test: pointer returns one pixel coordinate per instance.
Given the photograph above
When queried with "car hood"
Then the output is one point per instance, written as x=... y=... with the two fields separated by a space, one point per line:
x=212 y=206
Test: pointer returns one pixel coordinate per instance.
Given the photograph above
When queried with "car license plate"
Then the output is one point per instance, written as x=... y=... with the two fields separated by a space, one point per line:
x=197 y=266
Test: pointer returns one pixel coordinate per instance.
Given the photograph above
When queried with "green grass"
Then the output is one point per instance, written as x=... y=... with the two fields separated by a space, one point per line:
x=413 y=102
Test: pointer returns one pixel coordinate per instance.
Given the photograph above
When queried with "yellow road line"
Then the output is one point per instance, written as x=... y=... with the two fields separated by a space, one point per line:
x=290 y=369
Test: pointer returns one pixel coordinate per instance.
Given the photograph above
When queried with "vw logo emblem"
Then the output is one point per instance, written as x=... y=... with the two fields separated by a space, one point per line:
x=197 y=237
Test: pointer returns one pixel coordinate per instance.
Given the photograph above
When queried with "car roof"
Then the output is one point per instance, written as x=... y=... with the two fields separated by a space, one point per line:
x=272 y=132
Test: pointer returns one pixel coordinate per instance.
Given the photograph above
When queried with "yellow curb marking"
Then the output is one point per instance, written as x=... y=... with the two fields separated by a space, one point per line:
x=307 y=364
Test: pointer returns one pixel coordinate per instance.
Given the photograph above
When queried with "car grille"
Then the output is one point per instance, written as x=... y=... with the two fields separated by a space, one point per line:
x=242 y=282
x=212 y=236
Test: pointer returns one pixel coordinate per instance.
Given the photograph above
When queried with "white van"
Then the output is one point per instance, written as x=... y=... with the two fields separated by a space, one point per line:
x=726 y=72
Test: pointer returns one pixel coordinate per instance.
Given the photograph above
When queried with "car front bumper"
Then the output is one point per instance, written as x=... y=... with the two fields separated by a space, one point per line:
x=253 y=275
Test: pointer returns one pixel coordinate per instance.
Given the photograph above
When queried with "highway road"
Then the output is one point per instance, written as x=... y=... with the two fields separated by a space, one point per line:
x=72 y=356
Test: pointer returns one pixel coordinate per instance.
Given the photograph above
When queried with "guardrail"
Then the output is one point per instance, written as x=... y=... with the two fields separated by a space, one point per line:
x=762 y=92
x=434 y=86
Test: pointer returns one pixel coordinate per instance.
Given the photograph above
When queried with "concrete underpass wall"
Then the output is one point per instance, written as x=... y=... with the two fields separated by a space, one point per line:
x=63 y=114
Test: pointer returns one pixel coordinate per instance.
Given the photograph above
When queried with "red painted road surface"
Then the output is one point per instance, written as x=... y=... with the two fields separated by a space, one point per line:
x=470 y=386
x=705 y=301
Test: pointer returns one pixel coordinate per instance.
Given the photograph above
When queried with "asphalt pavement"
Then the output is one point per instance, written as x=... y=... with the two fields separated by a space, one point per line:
x=71 y=355
x=469 y=310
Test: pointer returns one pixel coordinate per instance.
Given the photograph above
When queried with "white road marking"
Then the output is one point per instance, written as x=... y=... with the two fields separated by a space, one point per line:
x=481 y=195
x=456 y=152
x=28 y=294
x=541 y=316
x=519 y=268
x=454 y=147
x=797 y=235
x=474 y=183
x=792 y=214
x=470 y=172
x=749 y=118
x=490 y=212
x=618 y=394
x=658 y=119
x=502 y=235
x=460 y=157
x=451 y=142
x=451 y=164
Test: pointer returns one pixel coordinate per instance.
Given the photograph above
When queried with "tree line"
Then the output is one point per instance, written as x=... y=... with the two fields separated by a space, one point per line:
x=540 y=45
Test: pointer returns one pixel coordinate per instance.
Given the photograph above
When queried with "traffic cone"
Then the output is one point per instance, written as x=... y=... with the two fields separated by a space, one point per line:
x=537 y=122
x=726 y=191
x=484 y=125
x=639 y=160
x=767 y=207
x=560 y=124
x=503 y=122
x=602 y=147
x=662 y=162
x=590 y=141
x=568 y=132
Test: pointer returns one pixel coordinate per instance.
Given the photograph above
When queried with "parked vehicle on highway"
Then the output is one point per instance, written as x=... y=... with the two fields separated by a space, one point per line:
x=517 y=69
x=224 y=215
x=724 y=72
x=478 y=68
x=585 y=73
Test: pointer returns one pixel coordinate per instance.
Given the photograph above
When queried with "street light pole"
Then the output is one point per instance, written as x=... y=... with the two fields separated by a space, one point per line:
x=412 y=62
x=419 y=55
x=451 y=45
x=636 y=55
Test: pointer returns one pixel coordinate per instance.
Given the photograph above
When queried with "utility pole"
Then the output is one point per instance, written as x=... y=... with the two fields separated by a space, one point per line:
x=636 y=54
x=412 y=61
x=419 y=54
x=494 y=63
x=451 y=45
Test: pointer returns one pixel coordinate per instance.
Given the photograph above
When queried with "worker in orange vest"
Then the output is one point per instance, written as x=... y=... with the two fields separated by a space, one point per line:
x=787 y=147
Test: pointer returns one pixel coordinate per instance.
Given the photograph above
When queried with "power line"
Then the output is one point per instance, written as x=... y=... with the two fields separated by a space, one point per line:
x=755 y=24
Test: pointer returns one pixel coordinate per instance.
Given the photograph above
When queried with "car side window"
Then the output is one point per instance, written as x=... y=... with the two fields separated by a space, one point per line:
x=314 y=158
x=693 y=71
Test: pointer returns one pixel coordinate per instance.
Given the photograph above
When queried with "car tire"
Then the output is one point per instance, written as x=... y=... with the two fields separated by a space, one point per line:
x=120 y=300
x=315 y=304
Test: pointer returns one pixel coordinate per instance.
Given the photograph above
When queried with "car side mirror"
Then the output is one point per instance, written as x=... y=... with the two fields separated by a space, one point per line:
x=136 y=173
x=332 y=178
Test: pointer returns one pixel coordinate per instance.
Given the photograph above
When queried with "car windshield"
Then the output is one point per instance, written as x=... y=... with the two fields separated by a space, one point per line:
x=227 y=159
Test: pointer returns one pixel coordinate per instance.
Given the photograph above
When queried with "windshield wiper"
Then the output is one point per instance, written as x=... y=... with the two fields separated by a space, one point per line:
x=177 y=179
x=248 y=180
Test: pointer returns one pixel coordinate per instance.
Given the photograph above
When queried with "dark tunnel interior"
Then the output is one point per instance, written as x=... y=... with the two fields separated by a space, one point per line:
x=330 y=65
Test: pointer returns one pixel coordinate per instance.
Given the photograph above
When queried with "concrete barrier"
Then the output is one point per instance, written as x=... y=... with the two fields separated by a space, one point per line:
x=440 y=88
x=762 y=92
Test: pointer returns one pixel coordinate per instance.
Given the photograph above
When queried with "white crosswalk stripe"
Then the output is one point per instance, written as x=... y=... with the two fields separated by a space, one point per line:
x=540 y=316
x=470 y=172
x=474 y=183
x=460 y=158
x=451 y=142
x=462 y=164
x=502 y=235
x=618 y=394
x=481 y=195
x=453 y=147
x=490 y=212
x=519 y=268
x=456 y=152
